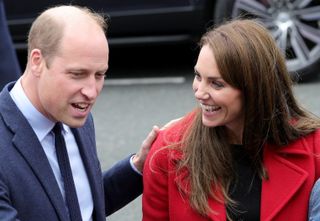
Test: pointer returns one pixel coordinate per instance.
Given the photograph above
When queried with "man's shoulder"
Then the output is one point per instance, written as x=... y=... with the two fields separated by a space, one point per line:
x=5 y=98
x=88 y=126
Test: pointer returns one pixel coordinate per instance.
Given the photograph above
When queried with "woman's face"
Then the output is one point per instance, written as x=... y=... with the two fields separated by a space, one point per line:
x=221 y=104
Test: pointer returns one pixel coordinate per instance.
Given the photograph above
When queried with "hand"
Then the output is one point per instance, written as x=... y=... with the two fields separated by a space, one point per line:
x=140 y=157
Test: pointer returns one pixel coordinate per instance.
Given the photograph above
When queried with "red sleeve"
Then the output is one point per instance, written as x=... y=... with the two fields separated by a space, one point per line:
x=158 y=172
x=155 y=182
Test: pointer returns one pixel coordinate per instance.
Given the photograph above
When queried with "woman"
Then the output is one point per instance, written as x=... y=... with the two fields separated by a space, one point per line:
x=249 y=151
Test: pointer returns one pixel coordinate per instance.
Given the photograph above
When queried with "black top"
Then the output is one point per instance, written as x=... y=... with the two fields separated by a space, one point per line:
x=246 y=189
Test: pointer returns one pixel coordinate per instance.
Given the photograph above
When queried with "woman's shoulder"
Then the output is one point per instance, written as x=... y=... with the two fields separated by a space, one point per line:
x=168 y=139
x=313 y=138
x=317 y=135
x=309 y=143
x=175 y=132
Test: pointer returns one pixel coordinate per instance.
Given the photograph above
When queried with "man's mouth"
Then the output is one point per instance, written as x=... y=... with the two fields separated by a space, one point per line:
x=81 y=106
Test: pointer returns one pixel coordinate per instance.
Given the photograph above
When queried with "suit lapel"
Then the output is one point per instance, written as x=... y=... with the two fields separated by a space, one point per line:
x=285 y=179
x=27 y=144
x=86 y=144
x=34 y=155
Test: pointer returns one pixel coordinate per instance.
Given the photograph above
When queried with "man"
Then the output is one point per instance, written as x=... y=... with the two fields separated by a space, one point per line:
x=9 y=66
x=314 y=204
x=67 y=60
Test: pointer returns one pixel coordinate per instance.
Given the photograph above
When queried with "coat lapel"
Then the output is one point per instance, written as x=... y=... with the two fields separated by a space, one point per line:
x=219 y=213
x=86 y=143
x=285 y=178
x=27 y=144
x=34 y=155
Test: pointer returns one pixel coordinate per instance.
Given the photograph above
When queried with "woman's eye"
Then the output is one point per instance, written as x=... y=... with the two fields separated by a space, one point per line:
x=217 y=84
x=100 y=75
x=197 y=76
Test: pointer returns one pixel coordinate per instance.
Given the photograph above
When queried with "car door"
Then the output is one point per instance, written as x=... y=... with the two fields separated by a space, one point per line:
x=130 y=21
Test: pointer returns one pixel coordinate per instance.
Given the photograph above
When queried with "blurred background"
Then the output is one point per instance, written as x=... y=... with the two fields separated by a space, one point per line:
x=293 y=23
x=153 y=48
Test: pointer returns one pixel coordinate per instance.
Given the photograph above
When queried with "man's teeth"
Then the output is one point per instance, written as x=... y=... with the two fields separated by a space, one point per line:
x=82 y=107
x=209 y=108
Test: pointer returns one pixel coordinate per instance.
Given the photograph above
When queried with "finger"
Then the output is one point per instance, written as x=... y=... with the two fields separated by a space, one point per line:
x=151 y=137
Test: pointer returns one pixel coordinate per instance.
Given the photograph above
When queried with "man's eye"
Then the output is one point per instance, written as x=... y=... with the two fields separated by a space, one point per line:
x=76 y=74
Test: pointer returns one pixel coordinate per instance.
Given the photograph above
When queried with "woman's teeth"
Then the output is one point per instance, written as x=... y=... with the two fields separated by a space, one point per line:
x=209 y=108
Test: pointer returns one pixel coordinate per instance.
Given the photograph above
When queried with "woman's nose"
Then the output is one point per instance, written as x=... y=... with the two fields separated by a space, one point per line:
x=201 y=91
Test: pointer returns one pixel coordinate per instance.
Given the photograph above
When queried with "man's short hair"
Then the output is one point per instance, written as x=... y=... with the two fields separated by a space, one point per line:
x=47 y=30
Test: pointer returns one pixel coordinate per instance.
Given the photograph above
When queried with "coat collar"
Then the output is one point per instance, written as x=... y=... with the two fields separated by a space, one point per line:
x=27 y=144
x=285 y=180
x=86 y=143
x=285 y=177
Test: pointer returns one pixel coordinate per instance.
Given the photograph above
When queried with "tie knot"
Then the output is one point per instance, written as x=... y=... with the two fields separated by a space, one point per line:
x=57 y=128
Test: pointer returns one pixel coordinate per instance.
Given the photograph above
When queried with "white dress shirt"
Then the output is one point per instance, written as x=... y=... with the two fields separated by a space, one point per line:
x=42 y=127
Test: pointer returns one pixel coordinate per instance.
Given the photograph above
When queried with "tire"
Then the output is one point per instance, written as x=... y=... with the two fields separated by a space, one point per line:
x=295 y=25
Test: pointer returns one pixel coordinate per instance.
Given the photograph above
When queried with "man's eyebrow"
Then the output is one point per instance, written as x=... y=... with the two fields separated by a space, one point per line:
x=77 y=69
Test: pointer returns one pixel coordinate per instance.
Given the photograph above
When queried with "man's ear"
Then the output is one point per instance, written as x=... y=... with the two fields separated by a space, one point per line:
x=37 y=61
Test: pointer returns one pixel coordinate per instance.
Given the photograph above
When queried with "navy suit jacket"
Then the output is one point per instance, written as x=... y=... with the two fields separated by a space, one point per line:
x=9 y=65
x=28 y=188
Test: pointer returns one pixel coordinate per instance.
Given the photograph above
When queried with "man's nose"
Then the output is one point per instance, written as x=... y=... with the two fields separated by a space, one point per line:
x=91 y=89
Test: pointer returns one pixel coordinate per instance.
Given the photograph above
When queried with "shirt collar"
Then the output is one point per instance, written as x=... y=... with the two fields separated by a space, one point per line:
x=39 y=123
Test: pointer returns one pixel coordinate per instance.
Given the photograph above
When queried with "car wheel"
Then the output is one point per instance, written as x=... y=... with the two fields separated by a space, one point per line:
x=295 y=25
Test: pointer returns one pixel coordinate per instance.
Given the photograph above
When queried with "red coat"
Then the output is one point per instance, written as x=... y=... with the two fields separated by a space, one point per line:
x=292 y=171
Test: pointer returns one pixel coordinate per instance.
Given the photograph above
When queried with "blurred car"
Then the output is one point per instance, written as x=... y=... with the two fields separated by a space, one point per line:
x=293 y=23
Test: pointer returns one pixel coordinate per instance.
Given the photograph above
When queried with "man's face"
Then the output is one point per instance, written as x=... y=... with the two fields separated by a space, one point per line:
x=70 y=85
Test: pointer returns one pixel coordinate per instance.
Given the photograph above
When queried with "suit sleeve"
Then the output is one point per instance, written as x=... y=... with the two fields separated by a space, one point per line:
x=7 y=211
x=155 y=180
x=314 y=205
x=317 y=151
x=121 y=185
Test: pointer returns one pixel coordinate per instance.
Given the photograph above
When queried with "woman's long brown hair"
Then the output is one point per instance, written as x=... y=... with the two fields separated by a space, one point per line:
x=248 y=59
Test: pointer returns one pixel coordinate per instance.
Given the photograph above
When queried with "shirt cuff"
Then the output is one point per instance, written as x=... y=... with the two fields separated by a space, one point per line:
x=133 y=166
